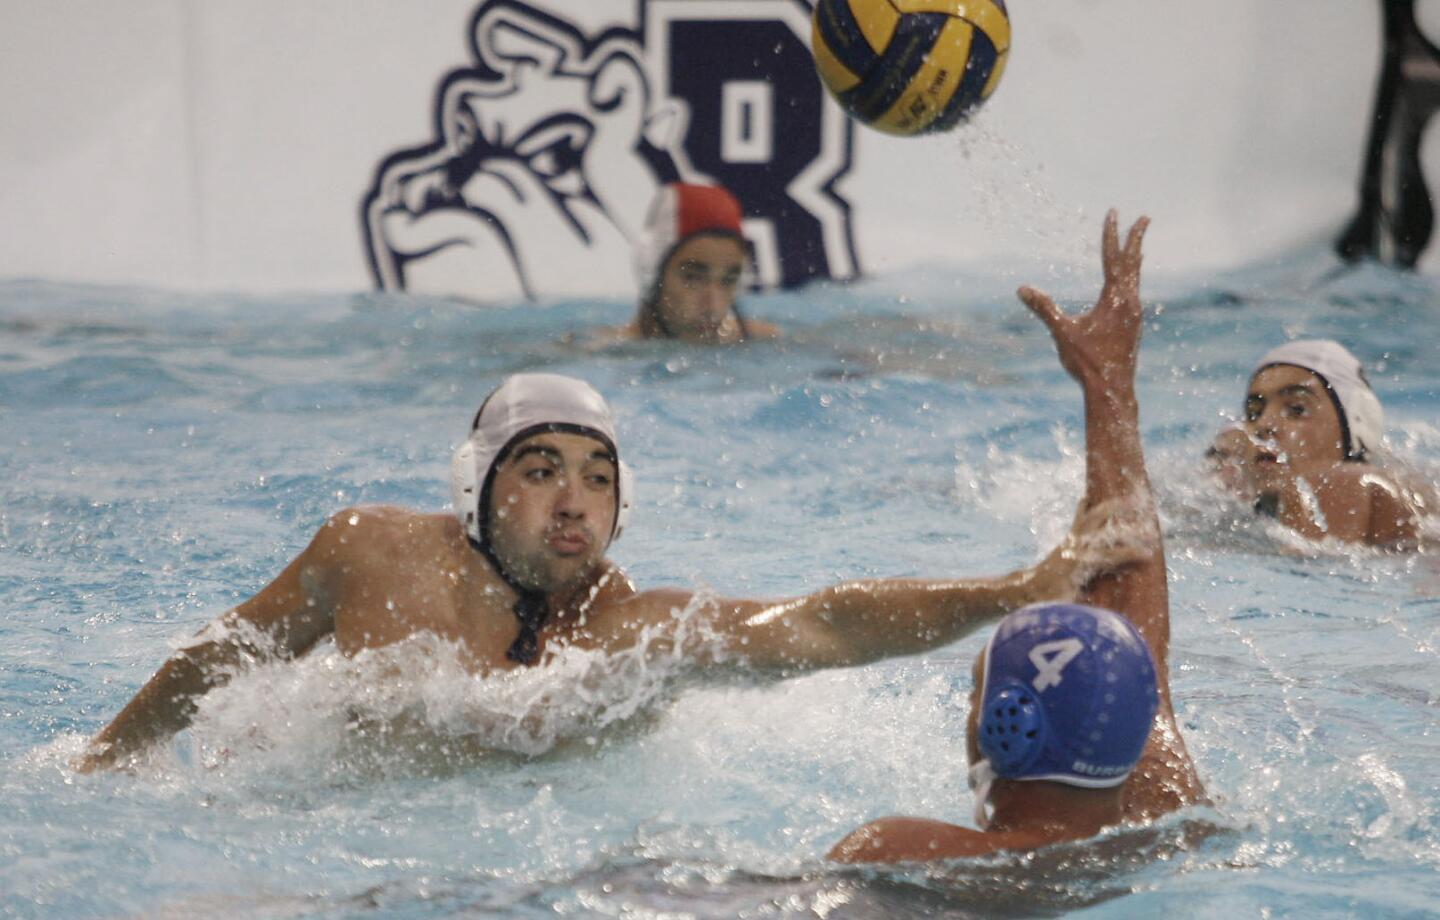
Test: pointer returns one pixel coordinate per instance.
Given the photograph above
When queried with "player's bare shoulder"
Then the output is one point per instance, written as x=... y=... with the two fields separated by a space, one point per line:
x=387 y=532
x=620 y=616
x=613 y=602
x=1399 y=500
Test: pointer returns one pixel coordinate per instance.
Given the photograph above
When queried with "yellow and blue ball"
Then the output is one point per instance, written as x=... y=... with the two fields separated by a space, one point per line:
x=910 y=66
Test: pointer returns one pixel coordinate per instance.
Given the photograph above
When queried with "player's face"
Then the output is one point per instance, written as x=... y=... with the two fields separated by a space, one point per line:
x=698 y=289
x=1293 y=419
x=552 y=509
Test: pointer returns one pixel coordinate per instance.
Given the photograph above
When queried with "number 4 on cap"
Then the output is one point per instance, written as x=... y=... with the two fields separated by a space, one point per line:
x=1050 y=659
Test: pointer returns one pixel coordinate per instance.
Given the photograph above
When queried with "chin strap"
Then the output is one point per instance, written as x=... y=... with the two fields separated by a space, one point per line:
x=1268 y=505
x=982 y=777
x=530 y=609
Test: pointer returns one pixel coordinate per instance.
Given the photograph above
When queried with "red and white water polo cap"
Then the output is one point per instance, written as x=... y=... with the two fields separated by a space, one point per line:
x=679 y=211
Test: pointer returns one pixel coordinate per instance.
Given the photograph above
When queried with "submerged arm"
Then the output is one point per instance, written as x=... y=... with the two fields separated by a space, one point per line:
x=285 y=619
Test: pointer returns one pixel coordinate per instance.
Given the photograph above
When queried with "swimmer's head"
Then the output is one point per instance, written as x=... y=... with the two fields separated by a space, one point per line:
x=691 y=261
x=523 y=408
x=1342 y=380
x=1067 y=694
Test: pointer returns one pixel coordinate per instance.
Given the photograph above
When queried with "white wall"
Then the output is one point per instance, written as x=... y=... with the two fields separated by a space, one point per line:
x=228 y=143
x=1238 y=126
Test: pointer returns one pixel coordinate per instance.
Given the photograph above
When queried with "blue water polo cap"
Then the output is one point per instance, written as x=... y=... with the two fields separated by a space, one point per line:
x=1067 y=694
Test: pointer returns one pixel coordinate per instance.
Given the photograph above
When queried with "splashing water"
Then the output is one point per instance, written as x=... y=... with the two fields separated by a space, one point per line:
x=417 y=703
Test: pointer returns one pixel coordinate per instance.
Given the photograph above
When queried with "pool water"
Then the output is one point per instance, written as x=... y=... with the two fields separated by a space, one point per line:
x=164 y=455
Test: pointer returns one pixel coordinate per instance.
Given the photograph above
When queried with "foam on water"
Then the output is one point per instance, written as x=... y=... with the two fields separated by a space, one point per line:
x=417 y=702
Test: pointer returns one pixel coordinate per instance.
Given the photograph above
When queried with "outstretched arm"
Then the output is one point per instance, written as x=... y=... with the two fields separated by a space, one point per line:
x=862 y=621
x=1100 y=350
x=286 y=618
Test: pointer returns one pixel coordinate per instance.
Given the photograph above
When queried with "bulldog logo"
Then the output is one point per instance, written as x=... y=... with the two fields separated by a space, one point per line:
x=549 y=147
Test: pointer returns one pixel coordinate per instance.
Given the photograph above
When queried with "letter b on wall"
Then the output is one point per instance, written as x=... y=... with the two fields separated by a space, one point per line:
x=760 y=124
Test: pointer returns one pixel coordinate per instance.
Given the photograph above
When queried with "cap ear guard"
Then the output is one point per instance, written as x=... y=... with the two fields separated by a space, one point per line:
x=657 y=237
x=624 y=500
x=465 y=488
x=1012 y=728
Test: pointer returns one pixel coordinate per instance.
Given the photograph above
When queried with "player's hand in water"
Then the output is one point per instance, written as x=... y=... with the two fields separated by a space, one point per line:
x=1230 y=444
x=1104 y=539
x=1231 y=460
x=1101 y=345
x=101 y=757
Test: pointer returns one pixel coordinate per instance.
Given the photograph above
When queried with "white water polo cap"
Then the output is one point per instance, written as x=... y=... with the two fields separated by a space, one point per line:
x=1362 y=420
x=678 y=212
x=522 y=406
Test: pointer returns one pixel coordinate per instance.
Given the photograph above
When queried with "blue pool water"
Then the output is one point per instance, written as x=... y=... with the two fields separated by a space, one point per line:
x=165 y=455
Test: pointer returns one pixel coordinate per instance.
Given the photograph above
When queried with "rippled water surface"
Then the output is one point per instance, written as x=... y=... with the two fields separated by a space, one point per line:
x=165 y=455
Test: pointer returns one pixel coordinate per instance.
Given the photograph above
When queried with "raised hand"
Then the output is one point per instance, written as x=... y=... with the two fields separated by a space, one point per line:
x=1100 y=347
